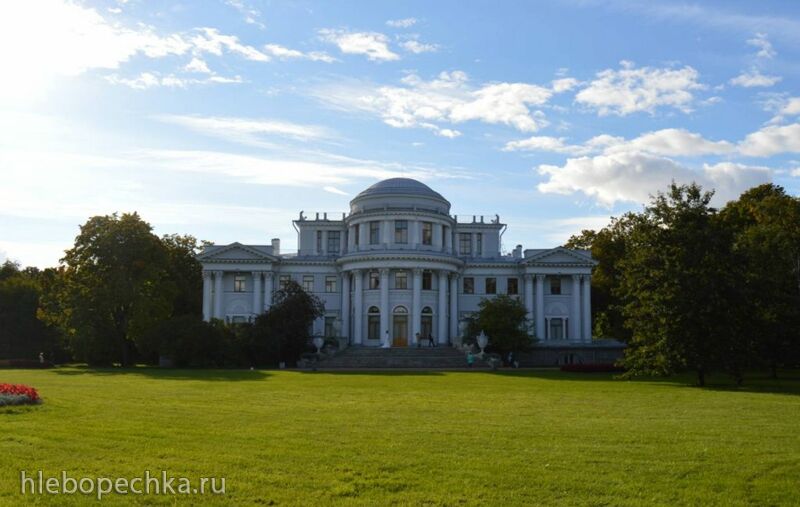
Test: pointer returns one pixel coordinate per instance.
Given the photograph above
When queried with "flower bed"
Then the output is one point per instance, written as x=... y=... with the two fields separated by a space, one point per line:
x=18 y=394
x=592 y=368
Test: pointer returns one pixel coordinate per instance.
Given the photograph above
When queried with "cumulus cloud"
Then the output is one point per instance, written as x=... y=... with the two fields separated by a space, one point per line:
x=763 y=45
x=772 y=140
x=285 y=53
x=634 y=177
x=564 y=84
x=449 y=98
x=402 y=23
x=417 y=47
x=754 y=78
x=645 y=89
x=373 y=45
x=198 y=66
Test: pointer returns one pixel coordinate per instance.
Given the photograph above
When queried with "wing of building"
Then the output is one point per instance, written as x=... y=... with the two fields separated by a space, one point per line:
x=398 y=265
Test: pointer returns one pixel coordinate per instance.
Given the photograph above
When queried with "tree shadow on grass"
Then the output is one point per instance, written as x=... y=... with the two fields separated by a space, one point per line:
x=168 y=373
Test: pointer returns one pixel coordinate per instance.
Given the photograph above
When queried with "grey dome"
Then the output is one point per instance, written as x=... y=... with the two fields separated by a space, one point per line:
x=400 y=186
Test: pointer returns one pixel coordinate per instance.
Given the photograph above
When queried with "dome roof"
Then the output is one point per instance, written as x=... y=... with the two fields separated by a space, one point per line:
x=400 y=186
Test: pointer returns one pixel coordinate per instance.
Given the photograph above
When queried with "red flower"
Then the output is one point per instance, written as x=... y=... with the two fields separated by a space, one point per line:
x=20 y=389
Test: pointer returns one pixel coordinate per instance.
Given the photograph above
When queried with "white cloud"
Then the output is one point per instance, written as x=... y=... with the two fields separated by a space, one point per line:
x=285 y=53
x=634 y=177
x=772 y=140
x=791 y=107
x=334 y=190
x=198 y=66
x=754 y=78
x=449 y=133
x=645 y=89
x=417 y=47
x=247 y=130
x=402 y=23
x=147 y=80
x=449 y=98
x=252 y=16
x=564 y=84
x=374 y=45
x=764 y=46
x=212 y=41
x=665 y=142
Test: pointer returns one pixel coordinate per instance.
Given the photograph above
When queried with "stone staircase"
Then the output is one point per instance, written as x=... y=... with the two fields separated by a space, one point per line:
x=366 y=358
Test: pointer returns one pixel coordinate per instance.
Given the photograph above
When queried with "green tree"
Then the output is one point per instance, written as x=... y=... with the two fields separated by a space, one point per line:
x=283 y=332
x=115 y=287
x=185 y=273
x=504 y=321
x=678 y=289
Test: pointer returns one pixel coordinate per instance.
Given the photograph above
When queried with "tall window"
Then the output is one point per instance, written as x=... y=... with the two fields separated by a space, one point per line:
x=469 y=285
x=491 y=285
x=479 y=244
x=427 y=233
x=374 y=233
x=374 y=323
x=330 y=284
x=333 y=242
x=401 y=231
x=401 y=280
x=319 y=242
x=465 y=243
x=555 y=285
x=556 y=329
x=357 y=232
x=239 y=284
x=330 y=329
x=427 y=280
x=308 y=283
x=283 y=281
x=513 y=286
x=426 y=327
x=374 y=280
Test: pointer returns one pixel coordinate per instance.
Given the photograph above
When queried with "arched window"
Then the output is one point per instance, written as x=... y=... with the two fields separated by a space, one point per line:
x=427 y=311
x=400 y=309
x=373 y=323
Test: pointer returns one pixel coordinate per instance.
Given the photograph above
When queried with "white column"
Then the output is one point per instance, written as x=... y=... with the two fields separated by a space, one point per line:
x=358 y=306
x=441 y=310
x=207 y=296
x=453 y=307
x=345 y=305
x=448 y=239
x=324 y=243
x=218 y=295
x=269 y=278
x=413 y=234
x=528 y=280
x=587 y=308
x=351 y=239
x=363 y=235
x=387 y=236
x=256 y=292
x=575 y=321
x=385 y=305
x=416 y=302
x=437 y=237
x=540 y=323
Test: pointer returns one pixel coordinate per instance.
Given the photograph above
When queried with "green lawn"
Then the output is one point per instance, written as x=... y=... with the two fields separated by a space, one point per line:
x=522 y=438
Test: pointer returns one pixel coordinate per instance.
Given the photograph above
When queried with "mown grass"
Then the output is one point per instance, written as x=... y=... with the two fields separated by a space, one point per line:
x=521 y=438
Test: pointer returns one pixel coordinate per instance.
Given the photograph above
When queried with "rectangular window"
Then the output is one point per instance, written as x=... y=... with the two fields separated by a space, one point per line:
x=330 y=284
x=479 y=244
x=374 y=233
x=401 y=280
x=427 y=233
x=469 y=285
x=357 y=232
x=283 y=281
x=319 y=242
x=465 y=243
x=401 y=231
x=491 y=285
x=308 y=283
x=556 y=329
x=239 y=284
x=513 y=286
x=374 y=280
x=373 y=327
x=330 y=329
x=334 y=237
x=555 y=285
x=427 y=280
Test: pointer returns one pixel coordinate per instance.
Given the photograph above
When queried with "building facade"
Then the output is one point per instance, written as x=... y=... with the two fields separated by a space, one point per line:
x=398 y=266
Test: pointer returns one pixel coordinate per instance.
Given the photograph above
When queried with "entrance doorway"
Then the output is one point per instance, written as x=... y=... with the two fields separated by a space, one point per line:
x=400 y=327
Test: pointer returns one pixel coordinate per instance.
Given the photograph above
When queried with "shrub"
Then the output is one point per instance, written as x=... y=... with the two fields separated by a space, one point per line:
x=18 y=394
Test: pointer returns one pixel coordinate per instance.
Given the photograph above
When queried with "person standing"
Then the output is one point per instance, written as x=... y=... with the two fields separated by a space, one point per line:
x=470 y=359
x=430 y=340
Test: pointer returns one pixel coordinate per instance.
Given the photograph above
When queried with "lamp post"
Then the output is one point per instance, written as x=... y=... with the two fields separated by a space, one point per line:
x=318 y=342
x=483 y=341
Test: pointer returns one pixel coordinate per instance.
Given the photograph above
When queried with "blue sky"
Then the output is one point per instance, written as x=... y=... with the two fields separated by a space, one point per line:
x=223 y=119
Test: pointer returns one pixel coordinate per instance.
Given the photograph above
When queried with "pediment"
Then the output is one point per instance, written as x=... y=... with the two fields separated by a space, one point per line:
x=560 y=256
x=235 y=252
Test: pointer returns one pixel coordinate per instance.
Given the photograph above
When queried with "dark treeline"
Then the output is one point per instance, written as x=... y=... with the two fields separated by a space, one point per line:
x=123 y=295
x=691 y=287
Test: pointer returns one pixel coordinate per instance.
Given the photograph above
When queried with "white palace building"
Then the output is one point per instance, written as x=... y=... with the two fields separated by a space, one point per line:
x=399 y=264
